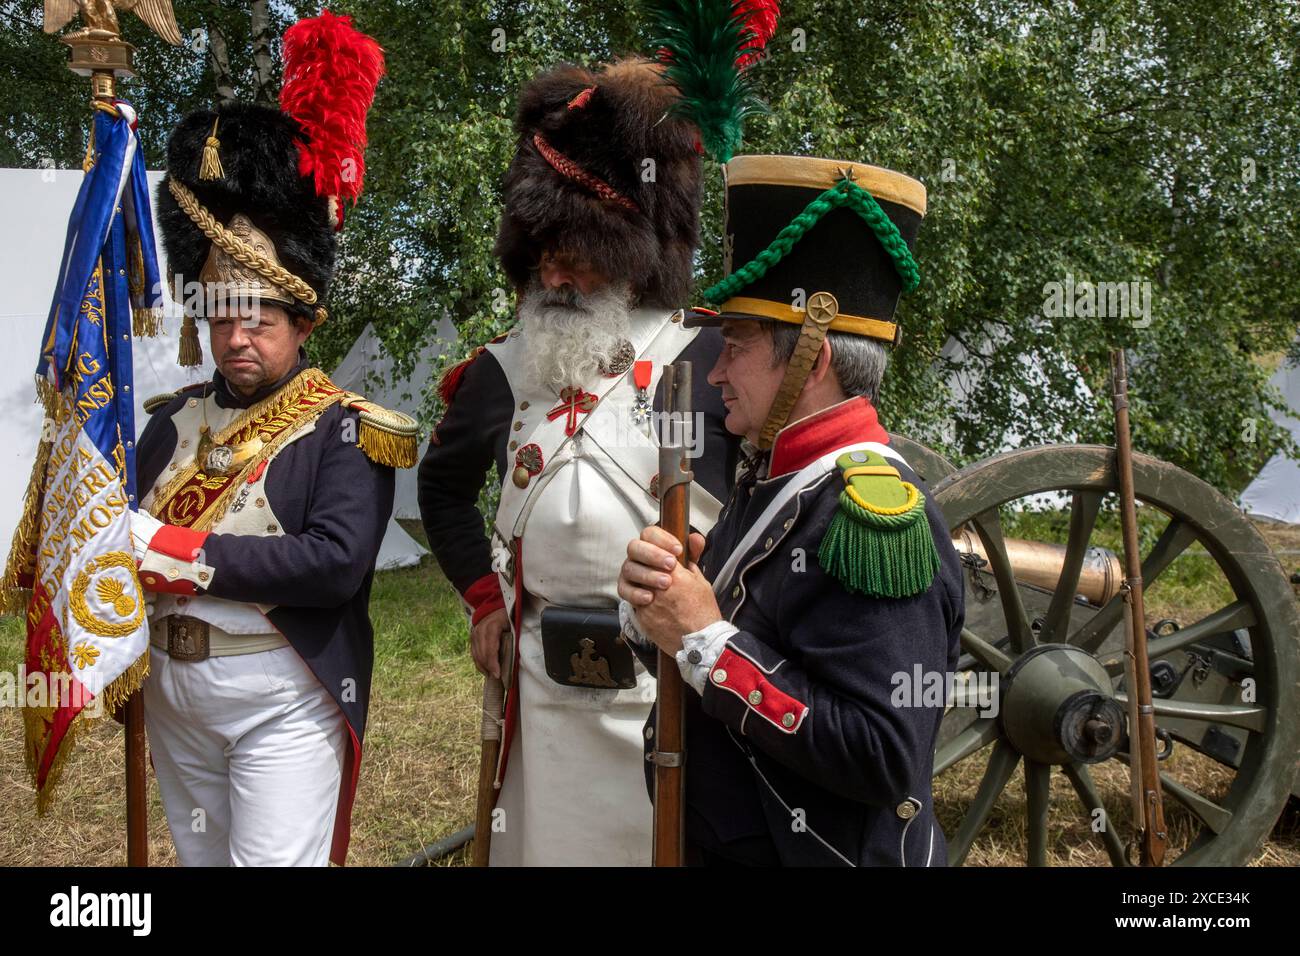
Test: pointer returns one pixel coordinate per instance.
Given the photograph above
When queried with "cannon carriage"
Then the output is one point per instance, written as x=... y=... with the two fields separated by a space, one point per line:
x=1045 y=629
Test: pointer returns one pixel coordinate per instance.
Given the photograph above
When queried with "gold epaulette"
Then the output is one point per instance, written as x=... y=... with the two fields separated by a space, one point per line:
x=387 y=437
x=155 y=402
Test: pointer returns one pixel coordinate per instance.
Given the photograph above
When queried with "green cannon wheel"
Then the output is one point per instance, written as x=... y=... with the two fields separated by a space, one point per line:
x=1227 y=694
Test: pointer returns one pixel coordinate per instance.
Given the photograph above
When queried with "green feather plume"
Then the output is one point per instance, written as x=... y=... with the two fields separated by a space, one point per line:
x=700 y=42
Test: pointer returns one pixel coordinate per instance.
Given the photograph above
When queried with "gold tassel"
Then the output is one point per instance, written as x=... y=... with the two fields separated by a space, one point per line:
x=385 y=448
x=146 y=323
x=211 y=166
x=191 y=352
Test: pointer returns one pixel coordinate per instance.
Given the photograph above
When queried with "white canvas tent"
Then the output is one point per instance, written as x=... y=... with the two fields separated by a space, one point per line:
x=369 y=370
x=1275 y=492
x=37 y=202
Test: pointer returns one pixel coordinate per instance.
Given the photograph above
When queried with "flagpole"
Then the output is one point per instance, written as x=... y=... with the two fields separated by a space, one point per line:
x=100 y=53
x=102 y=85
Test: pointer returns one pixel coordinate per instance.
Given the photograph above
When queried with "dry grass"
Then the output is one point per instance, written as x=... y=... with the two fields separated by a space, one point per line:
x=1071 y=841
x=418 y=779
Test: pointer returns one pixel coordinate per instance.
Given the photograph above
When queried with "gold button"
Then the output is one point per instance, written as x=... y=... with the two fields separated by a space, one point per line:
x=787 y=720
x=523 y=406
x=518 y=425
x=203 y=575
x=906 y=810
x=521 y=477
x=149 y=579
x=767 y=545
x=172 y=466
x=756 y=697
x=788 y=523
x=719 y=676
x=649 y=733
x=735 y=592
x=173 y=574
x=185 y=443
x=193 y=403
x=260 y=502
x=272 y=528
x=514 y=445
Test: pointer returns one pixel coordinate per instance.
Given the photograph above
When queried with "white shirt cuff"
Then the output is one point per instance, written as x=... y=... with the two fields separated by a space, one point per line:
x=701 y=650
x=631 y=627
x=143 y=527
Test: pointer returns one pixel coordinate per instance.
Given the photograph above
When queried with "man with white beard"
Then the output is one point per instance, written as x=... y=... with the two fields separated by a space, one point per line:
x=564 y=405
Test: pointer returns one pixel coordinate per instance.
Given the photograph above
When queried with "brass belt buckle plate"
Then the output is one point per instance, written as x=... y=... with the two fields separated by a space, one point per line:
x=187 y=638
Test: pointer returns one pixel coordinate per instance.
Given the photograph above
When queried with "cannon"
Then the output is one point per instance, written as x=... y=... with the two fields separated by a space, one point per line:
x=1044 y=624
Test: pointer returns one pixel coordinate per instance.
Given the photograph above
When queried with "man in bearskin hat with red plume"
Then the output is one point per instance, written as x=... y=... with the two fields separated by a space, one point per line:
x=265 y=492
x=598 y=235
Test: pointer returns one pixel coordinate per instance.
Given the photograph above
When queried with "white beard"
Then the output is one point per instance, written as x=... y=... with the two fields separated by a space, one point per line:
x=568 y=335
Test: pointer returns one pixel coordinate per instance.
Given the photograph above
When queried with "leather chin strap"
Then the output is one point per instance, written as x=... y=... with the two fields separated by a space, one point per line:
x=821 y=311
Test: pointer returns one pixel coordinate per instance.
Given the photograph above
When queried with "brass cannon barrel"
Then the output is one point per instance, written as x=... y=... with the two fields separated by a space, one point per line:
x=1039 y=563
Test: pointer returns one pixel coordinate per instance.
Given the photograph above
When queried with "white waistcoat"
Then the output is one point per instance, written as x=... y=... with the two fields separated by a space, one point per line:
x=249 y=513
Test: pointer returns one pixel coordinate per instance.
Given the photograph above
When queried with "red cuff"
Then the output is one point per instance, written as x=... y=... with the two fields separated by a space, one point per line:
x=484 y=596
x=741 y=676
x=154 y=581
x=181 y=545
x=177 y=542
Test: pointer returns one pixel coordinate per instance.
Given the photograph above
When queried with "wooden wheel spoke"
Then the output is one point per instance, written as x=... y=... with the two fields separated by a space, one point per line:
x=1246 y=716
x=982 y=732
x=1084 y=506
x=1038 y=785
x=1082 y=780
x=1002 y=764
x=984 y=652
x=1235 y=615
x=1207 y=811
x=1175 y=539
x=989 y=527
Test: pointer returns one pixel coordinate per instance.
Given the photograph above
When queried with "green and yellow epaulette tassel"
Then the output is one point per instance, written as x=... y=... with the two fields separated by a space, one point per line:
x=879 y=542
x=387 y=437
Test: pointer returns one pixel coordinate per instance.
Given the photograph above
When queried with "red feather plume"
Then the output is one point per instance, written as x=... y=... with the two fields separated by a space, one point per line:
x=331 y=70
x=760 y=18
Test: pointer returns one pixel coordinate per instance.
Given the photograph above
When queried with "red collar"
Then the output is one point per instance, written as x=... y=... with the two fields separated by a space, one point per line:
x=803 y=442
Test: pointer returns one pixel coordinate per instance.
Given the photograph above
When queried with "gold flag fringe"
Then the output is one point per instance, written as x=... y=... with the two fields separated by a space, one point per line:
x=14 y=597
x=114 y=696
x=146 y=323
x=48 y=396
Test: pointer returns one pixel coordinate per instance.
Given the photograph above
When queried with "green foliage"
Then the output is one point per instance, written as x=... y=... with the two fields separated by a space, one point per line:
x=1107 y=140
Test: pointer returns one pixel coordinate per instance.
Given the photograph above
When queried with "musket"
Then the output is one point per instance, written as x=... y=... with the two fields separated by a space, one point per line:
x=493 y=722
x=669 y=754
x=1149 y=809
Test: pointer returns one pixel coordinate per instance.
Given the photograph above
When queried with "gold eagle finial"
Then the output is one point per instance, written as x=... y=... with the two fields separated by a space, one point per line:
x=100 y=17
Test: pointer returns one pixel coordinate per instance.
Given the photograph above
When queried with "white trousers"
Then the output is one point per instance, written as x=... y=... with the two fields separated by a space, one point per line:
x=574 y=792
x=248 y=751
